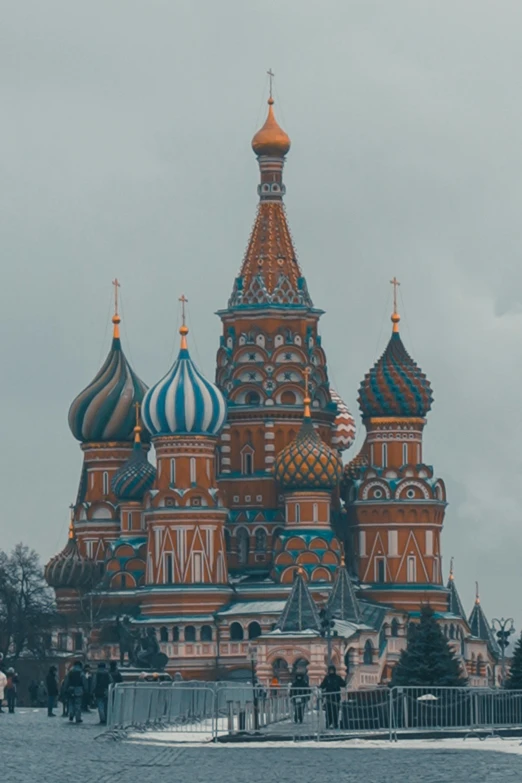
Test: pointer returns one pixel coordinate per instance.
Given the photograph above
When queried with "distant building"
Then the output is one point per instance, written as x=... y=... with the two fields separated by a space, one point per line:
x=229 y=547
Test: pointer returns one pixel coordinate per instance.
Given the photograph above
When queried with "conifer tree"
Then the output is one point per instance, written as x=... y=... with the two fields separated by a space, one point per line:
x=514 y=679
x=428 y=660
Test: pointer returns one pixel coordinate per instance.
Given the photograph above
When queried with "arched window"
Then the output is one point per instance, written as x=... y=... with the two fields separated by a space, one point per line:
x=452 y=631
x=368 y=653
x=394 y=627
x=297 y=512
x=78 y=641
x=404 y=453
x=288 y=398
x=243 y=545
x=382 y=638
x=252 y=398
x=247 y=461
x=411 y=569
x=206 y=633
x=348 y=660
x=175 y=633
x=173 y=471
x=169 y=572
x=260 y=540
x=192 y=470
x=190 y=633
x=254 y=630
x=478 y=669
x=227 y=540
x=105 y=482
x=164 y=634
x=384 y=455
x=315 y=512
x=236 y=632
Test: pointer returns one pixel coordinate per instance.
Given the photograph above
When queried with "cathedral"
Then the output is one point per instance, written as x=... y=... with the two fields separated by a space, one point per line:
x=221 y=514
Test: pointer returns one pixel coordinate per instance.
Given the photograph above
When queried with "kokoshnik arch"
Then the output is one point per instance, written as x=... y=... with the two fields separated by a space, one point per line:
x=249 y=522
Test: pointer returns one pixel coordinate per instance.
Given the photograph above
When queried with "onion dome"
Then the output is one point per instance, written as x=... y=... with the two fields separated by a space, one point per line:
x=70 y=569
x=104 y=410
x=344 y=425
x=395 y=386
x=137 y=475
x=352 y=470
x=183 y=401
x=308 y=463
x=271 y=140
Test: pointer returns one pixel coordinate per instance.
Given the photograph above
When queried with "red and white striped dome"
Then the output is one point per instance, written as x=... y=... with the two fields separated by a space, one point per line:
x=344 y=426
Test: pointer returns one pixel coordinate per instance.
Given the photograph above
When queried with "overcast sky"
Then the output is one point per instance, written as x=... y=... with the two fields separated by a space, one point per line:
x=125 y=151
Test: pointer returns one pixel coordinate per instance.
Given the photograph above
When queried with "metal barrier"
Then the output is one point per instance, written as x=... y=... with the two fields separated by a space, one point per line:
x=220 y=709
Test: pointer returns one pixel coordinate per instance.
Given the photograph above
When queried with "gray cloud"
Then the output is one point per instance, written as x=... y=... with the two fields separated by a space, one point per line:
x=124 y=150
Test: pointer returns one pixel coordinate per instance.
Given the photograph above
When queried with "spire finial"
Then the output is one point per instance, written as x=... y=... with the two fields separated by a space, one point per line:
x=116 y=317
x=395 y=316
x=137 y=426
x=183 y=328
x=307 y=399
x=71 y=522
x=271 y=76
x=451 y=570
x=477 y=596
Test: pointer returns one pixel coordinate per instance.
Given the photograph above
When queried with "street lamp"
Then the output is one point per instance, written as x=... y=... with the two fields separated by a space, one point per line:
x=327 y=624
x=252 y=651
x=503 y=634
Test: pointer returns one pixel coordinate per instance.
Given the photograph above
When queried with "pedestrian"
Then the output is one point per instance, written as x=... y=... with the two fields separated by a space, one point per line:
x=64 y=696
x=274 y=686
x=3 y=683
x=51 y=682
x=299 y=694
x=75 y=686
x=331 y=688
x=10 y=689
x=87 y=695
x=115 y=673
x=100 y=685
x=41 y=696
x=33 y=693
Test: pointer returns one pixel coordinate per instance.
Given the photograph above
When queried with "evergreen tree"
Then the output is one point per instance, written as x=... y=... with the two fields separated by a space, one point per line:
x=428 y=660
x=514 y=679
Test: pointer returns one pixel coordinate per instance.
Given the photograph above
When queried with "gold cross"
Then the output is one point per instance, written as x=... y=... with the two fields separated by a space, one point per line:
x=271 y=75
x=395 y=283
x=183 y=299
x=116 y=285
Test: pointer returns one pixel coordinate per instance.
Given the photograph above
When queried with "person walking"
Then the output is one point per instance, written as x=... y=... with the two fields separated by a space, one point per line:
x=100 y=686
x=75 y=687
x=3 y=684
x=33 y=693
x=331 y=688
x=115 y=673
x=10 y=689
x=51 y=682
x=299 y=694
x=87 y=694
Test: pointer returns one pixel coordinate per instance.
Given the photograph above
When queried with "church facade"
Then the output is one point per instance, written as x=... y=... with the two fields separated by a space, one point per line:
x=249 y=530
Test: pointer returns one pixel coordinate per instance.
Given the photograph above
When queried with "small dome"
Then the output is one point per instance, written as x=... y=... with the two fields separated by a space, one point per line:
x=70 y=569
x=344 y=426
x=395 y=386
x=136 y=476
x=271 y=140
x=104 y=410
x=308 y=462
x=183 y=401
x=353 y=469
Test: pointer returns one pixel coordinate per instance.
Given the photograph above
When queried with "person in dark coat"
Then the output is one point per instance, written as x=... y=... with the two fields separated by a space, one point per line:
x=33 y=693
x=11 y=689
x=51 y=683
x=300 y=693
x=115 y=673
x=100 y=686
x=75 y=687
x=87 y=694
x=331 y=688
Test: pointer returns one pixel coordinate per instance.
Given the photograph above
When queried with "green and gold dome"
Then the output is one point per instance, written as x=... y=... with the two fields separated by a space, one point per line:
x=308 y=463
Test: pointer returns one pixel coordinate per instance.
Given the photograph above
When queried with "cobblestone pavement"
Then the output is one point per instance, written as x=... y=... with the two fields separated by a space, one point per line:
x=51 y=750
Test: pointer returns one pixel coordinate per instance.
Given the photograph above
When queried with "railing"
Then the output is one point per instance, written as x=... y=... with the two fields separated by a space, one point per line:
x=200 y=710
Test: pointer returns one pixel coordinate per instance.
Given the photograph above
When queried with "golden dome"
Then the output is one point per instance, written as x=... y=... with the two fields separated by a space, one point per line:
x=271 y=139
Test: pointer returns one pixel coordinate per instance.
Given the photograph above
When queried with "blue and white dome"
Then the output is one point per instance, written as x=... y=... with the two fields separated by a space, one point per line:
x=183 y=402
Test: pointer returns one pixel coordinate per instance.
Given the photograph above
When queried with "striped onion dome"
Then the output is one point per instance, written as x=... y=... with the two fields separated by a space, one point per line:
x=183 y=401
x=308 y=463
x=104 y=410
x=344 y=426
x=71 y=569
x=395 y=386
x=136 y=476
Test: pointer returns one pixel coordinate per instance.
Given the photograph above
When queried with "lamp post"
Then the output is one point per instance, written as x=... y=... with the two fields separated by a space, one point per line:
x=252 y=651
x=503 y=634
x=327 y=624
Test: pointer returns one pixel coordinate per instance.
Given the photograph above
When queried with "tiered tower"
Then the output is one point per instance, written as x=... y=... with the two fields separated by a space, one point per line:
x=308 y=472
x=270 y=336
x=184 y=514
x=102 y=418
x=395 y=503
